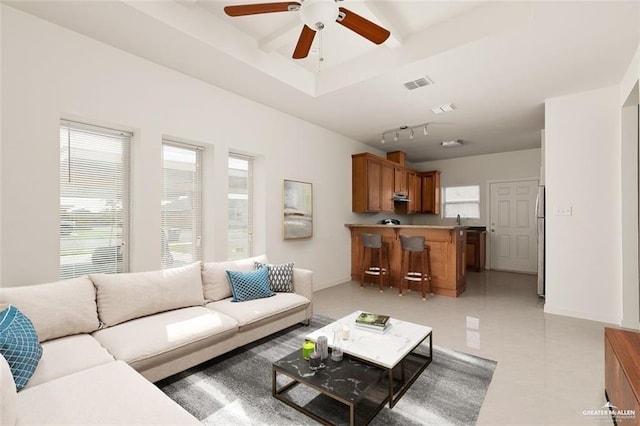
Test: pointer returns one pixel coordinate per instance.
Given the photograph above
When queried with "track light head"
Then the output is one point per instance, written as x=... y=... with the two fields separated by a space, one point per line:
x=397 y=132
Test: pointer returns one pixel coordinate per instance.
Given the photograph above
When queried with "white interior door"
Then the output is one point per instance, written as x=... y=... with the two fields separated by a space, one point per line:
x=513 y=226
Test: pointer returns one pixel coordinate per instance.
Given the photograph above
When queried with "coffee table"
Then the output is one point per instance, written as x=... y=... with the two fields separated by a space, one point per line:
x=376 y=369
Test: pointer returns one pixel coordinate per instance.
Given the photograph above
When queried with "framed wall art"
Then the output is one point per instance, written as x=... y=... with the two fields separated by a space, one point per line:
x=297 y=220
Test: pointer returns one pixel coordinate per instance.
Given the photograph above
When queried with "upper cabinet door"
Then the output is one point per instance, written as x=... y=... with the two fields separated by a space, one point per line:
x=430 y=182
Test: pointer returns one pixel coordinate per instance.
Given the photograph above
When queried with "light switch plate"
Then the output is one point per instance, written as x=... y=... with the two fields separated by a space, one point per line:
x=562 y=211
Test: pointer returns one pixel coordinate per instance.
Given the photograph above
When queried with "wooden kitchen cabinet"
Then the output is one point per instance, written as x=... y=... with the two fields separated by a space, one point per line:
x=430 y=192
x=447 y=247
x=400 y=180
x=476 y=249
x=372 y=184
x=414 y=192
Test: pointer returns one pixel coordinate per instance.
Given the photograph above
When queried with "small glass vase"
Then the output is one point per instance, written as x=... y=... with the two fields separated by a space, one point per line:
x=336 y=351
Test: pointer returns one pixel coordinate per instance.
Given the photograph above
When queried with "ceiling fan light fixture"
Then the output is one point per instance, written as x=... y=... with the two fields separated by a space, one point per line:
x=318 y=14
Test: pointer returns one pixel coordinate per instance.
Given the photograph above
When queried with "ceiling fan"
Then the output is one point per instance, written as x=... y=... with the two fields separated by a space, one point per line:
x=316 y=15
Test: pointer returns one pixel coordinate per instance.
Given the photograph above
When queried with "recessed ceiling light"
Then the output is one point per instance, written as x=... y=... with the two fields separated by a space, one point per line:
x=443 y=108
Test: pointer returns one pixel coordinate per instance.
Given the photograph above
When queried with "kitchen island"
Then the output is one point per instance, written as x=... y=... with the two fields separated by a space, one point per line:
x=448 y=254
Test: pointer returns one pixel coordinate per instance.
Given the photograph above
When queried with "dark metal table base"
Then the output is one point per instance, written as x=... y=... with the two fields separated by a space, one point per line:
x=359 y=386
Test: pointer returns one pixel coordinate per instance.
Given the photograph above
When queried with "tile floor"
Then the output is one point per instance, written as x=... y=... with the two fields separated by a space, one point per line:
x=550 y=368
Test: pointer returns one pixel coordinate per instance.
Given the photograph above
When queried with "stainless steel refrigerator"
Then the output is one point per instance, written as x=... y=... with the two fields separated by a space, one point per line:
x=541 y=234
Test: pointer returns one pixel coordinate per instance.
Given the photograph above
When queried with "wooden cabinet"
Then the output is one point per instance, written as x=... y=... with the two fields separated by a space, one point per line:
x=414 y=192
x=476 y=249
x=430 y=192
x=375 y=179
x=400 y=180
x=448 y=272
x=386 y=188
x=372 y=184
x=622 y=373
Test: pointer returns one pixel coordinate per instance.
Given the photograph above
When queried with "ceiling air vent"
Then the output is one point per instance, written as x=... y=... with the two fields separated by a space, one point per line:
x=416 y=84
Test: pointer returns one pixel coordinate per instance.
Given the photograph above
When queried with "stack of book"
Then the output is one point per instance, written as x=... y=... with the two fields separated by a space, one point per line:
x=373 y=322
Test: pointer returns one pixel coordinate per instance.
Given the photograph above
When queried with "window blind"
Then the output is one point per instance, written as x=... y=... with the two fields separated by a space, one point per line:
x=463 y=201
x=181 y=206
x=240 y=197
x=94 y=199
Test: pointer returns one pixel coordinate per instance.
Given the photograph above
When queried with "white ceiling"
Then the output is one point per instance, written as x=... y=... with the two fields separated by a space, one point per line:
x=496 y=61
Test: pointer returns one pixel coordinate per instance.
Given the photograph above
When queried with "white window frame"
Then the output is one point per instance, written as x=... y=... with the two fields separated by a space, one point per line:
x=470 y=201
x=167 y=258
x=90 y=248
x=250 y=164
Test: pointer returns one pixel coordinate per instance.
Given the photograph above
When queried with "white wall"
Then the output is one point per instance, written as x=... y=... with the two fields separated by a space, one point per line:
x=630 y=96
x=582 y=160
x=49 y=72
x=480 y=170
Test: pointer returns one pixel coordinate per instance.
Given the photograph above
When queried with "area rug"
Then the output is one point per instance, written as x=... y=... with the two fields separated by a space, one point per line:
x=235 y=389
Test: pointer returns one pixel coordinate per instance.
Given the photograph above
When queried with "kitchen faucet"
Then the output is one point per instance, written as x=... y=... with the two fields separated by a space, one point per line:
x=458 y=220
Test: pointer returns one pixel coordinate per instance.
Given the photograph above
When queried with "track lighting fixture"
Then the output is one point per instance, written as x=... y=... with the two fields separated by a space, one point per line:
x=397 y=133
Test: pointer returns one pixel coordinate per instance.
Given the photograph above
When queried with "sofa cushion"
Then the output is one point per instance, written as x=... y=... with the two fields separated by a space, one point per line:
x=280 y=276
x=73 y=312
x=8 y=394
x=254 y=312
x=250 y=285
x=214 y=276
x=122 y=297
x=142 y=341
x=67 y=355
x=111 y=393
x=19 y=345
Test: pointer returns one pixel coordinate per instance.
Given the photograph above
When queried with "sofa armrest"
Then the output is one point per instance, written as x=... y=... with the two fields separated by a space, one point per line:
x=303 y=282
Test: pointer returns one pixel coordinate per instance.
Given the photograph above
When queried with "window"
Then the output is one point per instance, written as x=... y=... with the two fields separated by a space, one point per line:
x=240 y=196
x=94 y=190
x=463 y=201
x=181 y=234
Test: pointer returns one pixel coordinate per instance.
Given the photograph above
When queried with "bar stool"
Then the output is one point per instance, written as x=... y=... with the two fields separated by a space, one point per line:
x=375 y=245
x=410 y=247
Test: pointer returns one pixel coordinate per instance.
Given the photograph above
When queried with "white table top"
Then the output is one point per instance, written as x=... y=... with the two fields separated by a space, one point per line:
x=385 y=349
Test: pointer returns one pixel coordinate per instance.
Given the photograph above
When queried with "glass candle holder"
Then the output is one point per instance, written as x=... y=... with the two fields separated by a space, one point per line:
x=307 y=349
x=315 y=360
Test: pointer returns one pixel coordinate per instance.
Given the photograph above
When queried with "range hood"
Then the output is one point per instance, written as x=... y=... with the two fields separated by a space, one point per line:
x=400 y=197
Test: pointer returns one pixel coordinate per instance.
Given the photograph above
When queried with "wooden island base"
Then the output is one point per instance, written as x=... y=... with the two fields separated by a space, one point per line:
x=448 y=254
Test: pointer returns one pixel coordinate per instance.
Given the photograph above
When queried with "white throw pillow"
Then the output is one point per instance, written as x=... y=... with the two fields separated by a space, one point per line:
x=122 y=297
x=56 y=309
x=214 y=276
x=8 y=394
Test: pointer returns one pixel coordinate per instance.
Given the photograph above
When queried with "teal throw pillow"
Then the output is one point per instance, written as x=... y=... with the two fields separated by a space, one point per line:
x=280 y=276
x=19 y=345
x=249 y=285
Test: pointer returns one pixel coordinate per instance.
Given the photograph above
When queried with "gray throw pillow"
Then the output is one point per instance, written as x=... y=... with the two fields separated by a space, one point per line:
x=280 y=276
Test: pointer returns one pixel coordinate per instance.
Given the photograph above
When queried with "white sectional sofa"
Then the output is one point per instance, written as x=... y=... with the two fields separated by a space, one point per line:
x=105 y=338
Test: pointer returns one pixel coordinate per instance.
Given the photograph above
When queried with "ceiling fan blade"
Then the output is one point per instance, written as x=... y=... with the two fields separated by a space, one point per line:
x=304 y=43
x=255 y=9
x=362 y=26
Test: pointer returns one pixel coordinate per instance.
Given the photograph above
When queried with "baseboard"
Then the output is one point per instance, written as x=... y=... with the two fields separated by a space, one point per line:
x=322 y=286
x=548 y=309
